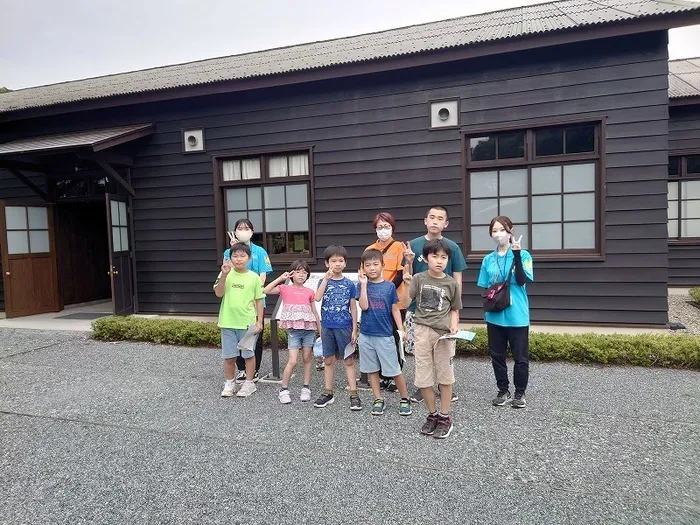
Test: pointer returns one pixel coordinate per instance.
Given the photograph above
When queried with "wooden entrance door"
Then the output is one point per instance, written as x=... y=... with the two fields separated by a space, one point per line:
x=120 y=259
x=29 y=269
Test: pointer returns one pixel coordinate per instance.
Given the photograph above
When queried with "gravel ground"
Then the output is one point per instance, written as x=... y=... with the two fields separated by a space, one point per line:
x=680 y=311
x=94 y=432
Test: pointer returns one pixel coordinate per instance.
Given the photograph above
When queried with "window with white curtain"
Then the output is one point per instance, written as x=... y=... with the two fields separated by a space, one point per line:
x=545 y=180
x=273 y=192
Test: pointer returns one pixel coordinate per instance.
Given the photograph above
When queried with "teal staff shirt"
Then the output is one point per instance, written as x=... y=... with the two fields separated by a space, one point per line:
x=494 y=267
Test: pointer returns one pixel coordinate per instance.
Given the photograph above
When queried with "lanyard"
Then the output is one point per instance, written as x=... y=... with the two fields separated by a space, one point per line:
x=505 y=261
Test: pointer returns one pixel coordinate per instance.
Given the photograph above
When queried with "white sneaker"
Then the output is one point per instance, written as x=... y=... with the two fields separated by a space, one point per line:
x=229 y=388
x=305 y=394
x=285 y=399
x=247 y=389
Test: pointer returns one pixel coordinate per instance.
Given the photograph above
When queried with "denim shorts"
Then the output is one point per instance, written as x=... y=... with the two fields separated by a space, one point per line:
x=379 y=353
x=300 y=338
x=334 y=341
x=229 y=344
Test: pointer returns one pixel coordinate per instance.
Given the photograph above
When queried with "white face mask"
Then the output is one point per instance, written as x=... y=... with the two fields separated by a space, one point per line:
x=244 y=235
x=384 y=235
x=501 y=238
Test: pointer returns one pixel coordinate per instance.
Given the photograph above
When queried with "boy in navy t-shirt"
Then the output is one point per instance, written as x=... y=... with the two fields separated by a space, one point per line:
x=338 y=324
x=380 y=302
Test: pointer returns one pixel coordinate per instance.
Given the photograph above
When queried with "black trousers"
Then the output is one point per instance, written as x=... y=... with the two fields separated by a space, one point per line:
x=240 y=362
x=517 y=337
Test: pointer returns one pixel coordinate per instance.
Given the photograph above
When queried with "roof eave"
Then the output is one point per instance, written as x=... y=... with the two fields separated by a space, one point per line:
x=684 y=101
x=554 y=38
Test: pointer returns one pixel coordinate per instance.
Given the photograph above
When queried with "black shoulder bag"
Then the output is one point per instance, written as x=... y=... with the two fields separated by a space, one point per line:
x=497 y=296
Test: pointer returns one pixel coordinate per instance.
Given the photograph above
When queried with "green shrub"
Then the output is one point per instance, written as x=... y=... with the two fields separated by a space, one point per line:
x=670 y=351
x=166 y=331
x=695 y=295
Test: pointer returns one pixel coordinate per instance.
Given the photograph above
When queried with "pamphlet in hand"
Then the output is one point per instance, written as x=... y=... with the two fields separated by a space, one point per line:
x=402 y=355
x=318 y=348
x=349 y=350
x=249 y=339
x=461 y=334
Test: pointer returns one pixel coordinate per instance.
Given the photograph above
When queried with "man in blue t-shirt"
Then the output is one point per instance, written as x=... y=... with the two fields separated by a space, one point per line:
x=436 y=220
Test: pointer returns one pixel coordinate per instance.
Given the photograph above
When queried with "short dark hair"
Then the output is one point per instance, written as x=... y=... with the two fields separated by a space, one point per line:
x=240 y=247
x=437 y=207
x=335 y=250
x=386 y=217
x=371 y=255
x=435 y=246
x=300 y=265
x=243 y=221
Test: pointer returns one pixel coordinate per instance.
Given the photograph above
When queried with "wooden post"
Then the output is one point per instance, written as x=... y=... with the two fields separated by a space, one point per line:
x=275 y=346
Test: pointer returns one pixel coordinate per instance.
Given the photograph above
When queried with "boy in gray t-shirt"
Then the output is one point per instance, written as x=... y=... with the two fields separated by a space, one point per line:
x=438 y=301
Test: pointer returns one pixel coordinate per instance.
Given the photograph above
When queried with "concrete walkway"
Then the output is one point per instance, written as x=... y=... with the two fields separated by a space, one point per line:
x=96 y=432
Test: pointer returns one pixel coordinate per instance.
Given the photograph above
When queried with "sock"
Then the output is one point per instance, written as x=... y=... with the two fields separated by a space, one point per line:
x=329 y=392
x=284 y=388
x=443 y=416
x=230 y=380
x=434 y=414
x=404 y=399
x=305 y=386
x=353 y=393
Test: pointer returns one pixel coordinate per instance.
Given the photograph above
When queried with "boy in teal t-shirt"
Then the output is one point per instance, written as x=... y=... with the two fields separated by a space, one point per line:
x=241 y=295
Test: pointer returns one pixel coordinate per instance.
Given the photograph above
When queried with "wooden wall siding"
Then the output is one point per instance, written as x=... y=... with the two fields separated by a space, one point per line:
x=11 y=188
x=373 y=150
x=684 y=136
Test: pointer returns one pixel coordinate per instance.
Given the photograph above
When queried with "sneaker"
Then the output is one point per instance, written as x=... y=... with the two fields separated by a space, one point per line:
x=229 y=388
x=455 y=397
x=417 y=396
x=430 y=425
x=502 y=398
x=320 y=365
x=391 y=386
x=284 y=396
x=247 y=389
x=518 y=400
x=240 y=376
x=355 y=403
x=256 y=377
x=324 y=400
x=383 y=384
x=305 y=394
x=378 y=407
x=443 y=428
x=405 y=408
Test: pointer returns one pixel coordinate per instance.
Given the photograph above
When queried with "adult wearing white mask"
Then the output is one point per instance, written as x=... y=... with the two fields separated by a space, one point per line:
x=392 y=256
x=259 y=263
x=507 y=311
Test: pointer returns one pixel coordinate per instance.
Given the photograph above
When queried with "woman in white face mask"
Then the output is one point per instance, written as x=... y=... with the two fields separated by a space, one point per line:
x=392 y=257
x=259 y=263
x=503 y=274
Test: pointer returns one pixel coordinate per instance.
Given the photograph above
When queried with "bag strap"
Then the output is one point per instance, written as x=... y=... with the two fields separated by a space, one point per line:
x=386 y=248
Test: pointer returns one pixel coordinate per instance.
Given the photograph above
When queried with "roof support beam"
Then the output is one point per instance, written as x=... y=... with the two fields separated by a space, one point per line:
x=21 y=165
x=36 y=189
x=112 y=173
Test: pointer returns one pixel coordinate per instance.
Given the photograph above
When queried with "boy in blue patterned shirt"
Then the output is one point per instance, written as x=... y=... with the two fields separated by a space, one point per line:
x=338 y=324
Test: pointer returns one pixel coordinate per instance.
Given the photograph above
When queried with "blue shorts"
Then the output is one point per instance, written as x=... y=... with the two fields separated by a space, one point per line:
x=300 y=338
x=229 y=344
x=379 y=353
x=334 y=341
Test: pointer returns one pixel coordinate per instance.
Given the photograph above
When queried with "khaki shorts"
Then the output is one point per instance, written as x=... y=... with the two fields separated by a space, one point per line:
x=433 y=358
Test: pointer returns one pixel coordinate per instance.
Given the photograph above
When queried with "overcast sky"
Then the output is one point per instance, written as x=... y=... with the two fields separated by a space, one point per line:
x=48 y=41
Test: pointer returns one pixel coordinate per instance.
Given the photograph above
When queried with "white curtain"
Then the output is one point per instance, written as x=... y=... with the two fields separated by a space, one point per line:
x=231 y=170
x=250 y=169
x=278 y=167
x=299 y=165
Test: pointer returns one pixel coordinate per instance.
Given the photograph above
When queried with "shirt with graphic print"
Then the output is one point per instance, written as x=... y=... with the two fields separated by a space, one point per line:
x=435 y=299
x=335 y=305
x=376 y=320
x=259 y=261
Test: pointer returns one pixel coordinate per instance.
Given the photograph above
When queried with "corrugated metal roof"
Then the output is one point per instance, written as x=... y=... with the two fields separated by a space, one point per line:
x=684 y=78
x=91 y=138
x=457 y=32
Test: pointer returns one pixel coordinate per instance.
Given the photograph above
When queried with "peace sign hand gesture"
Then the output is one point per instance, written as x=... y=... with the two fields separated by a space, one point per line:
x=408 y=254
x=516 y=244
x=361 y=277
x=231 y=238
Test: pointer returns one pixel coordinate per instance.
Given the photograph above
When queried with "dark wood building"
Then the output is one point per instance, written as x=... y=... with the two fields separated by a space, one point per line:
x=684 y=173
x=555 y=114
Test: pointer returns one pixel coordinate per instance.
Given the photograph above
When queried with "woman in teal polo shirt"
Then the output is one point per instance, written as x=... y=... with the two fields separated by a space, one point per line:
x=260 y=264
x=512 y=324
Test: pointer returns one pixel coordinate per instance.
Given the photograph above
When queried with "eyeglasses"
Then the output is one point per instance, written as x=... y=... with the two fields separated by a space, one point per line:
x=384 y=227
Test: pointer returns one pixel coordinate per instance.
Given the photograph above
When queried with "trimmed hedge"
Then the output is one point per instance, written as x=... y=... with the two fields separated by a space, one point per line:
x=669 y=351
x=695 y=295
